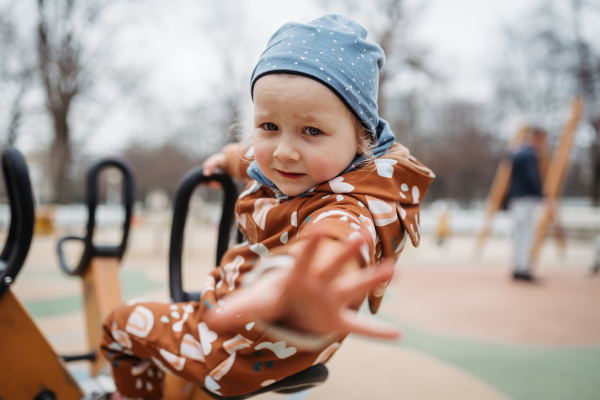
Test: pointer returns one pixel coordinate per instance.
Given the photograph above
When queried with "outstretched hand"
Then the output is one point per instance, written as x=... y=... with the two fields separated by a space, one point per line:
x=213 y=164
x=312 y=298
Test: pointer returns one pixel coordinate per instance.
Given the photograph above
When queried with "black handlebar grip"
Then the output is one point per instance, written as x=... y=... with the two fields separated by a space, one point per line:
x=184 y=192
x=91 y=250
x=22 y=216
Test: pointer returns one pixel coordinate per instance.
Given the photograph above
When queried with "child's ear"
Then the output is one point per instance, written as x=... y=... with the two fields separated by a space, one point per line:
x=359 y=152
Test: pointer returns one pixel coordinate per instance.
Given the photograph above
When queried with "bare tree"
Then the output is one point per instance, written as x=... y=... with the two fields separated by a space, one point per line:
x=455 y=141
x=73 y=50
x=588 y=80
x=61 y=69
x=160 y=167
x=17 y=67
x=228 y=29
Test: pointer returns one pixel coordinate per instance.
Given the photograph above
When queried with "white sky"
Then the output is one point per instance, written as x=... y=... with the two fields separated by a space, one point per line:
x=465 y=37
x=165 y=41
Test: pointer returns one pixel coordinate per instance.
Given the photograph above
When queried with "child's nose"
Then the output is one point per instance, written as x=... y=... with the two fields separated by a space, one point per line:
x=286 y=150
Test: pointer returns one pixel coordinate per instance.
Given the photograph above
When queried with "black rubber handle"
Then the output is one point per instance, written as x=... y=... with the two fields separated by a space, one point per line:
x=184 y=192
x=92 y=356
x=91 y=250
x=22 y=216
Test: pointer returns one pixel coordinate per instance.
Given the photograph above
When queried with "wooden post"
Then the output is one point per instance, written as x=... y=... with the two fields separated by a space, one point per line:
x=555 y=178
x=499 y=188
x=28 y=363
x=101 y=294
x=544 y=155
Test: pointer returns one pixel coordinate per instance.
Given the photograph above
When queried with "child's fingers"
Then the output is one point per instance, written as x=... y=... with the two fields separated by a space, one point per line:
x=351 y=284
x=214 y=185
x=303 y=261
x=368 y=326
x=210 y=167
x=350 y=249
x=212 y=163
x=208 y=170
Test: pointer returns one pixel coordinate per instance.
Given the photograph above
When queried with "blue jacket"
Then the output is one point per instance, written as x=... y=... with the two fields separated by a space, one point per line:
x=525 y=178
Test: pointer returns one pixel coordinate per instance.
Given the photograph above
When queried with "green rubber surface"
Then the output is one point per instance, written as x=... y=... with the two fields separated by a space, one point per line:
x=134 y=283
x=522 y=372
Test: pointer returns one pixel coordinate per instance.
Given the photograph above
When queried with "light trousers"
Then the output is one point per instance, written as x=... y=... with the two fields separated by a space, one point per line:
x=523 y=217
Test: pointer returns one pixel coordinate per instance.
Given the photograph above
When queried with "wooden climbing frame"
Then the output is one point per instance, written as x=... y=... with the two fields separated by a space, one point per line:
x=554 y=181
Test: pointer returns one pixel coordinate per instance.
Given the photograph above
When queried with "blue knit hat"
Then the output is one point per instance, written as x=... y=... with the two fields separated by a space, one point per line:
x=333 y=51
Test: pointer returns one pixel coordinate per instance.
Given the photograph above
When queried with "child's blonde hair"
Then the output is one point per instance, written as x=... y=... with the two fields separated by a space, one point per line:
x=363 y=138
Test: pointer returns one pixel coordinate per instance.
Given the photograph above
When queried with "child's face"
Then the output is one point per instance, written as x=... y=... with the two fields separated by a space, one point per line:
x=303 y=133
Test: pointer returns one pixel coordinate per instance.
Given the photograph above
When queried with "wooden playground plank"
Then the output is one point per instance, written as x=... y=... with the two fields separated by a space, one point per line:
x=102 y=293
x=28 y=363
x=555 y=178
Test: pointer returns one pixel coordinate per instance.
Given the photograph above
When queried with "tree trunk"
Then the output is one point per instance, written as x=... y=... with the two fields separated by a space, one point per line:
x=17 y=110
x=58 y=56
x=60 y=156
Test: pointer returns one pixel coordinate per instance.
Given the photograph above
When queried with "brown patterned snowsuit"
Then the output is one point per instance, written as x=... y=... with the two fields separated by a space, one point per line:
x=379 y=201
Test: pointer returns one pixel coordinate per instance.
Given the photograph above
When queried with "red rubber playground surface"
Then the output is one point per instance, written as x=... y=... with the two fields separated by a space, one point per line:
x=469 y=330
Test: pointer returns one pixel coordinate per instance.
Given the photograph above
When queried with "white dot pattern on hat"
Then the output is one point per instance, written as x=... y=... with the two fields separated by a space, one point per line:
x=316 y=48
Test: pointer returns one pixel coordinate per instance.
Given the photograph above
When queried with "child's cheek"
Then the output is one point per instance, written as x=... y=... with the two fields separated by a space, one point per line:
x=323 y=168
x=263 y=155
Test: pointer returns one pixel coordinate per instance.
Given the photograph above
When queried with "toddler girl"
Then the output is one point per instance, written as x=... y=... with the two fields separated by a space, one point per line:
x=330 y=196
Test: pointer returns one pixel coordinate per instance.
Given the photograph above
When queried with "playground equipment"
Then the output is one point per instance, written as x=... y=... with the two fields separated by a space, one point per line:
x=98 y=266
x=29 y=367
x=551 y=172
x=555 y=178
x=303 y=380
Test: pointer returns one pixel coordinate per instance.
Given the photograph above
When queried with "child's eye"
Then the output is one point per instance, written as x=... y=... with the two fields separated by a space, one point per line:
x=312 y=131
x=270 y=126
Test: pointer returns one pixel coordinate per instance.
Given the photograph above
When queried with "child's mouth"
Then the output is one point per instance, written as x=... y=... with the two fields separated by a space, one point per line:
x=290 y=175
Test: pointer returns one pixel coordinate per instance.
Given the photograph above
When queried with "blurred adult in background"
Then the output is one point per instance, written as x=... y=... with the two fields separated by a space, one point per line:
x=524 y=195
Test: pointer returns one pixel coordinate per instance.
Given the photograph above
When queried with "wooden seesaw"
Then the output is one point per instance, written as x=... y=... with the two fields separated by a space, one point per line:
x=98 y=266
x=29 y=367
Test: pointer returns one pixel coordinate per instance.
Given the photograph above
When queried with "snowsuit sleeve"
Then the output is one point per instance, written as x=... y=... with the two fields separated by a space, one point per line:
x=341 y=217
x=237 y=159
